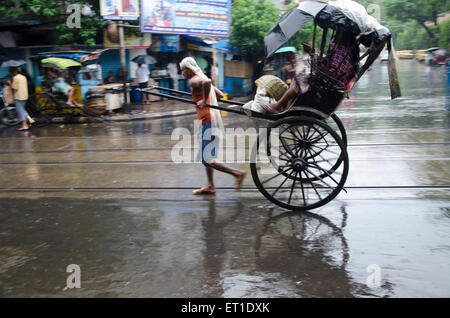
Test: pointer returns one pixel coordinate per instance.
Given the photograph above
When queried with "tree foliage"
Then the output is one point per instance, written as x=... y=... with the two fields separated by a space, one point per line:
x=54 y=14
x=444 y=35
x=420 y=11
x=250 y=23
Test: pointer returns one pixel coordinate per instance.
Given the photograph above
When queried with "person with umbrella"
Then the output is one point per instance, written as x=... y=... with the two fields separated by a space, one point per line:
x=20 y=87
x=142 y=75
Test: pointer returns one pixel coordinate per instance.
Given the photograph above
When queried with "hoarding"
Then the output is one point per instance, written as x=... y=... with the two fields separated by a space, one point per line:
x=195 y=17
x=130 y=42
x=119 y=9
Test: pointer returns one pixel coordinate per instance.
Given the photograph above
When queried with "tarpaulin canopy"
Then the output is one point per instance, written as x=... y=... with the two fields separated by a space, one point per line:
x=223 y=45
x=79 y=56
x=348 y=15
x=343 y=15
x=61 y=62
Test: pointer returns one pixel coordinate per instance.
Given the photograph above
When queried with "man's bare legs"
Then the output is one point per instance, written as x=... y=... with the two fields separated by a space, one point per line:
x=210 y=188
x=70 y=100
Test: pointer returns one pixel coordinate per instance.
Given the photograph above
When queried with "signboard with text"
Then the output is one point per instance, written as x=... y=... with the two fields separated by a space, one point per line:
x=194 y=17
x=119 y=9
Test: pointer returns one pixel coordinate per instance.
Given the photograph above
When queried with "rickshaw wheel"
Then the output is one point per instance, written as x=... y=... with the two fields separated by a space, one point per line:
x=310 y=174
x=336 y=124
x=340 y=126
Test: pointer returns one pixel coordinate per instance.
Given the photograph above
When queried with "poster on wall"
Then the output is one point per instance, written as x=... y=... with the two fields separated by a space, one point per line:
x=169 y=43
x=194 y=17
x=130 y=42
x=165 y=43
x=119 y=9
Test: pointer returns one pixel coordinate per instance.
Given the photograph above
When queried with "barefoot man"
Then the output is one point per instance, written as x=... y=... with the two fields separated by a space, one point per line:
x=204 y=93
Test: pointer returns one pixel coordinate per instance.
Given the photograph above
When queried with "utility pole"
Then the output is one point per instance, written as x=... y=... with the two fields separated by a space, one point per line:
x=123 y=64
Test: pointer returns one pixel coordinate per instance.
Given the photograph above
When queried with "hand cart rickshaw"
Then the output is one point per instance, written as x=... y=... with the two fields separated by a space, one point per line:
x=311 y=165
x=78 y=69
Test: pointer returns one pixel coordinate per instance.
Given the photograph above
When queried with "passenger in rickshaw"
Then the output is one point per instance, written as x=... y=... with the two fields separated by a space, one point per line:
x=60 y=85
x=343 y=54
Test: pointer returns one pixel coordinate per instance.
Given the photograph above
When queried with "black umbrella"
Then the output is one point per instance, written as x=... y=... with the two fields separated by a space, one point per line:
x=12 y=63
x=144 y=59
x=289 y=23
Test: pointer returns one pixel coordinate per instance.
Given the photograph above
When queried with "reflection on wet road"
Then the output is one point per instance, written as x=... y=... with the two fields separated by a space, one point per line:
x=223 y=248
x=108 y=198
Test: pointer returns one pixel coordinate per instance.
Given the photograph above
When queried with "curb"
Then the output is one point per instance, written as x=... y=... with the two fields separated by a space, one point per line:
x=122 y=117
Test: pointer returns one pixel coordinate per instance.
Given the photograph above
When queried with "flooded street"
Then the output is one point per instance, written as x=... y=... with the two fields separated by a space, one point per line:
x=108 y=198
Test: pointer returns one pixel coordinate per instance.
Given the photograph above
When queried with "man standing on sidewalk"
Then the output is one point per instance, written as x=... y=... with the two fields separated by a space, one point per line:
x=142 y=75
x=20 y=88
x=204 y=93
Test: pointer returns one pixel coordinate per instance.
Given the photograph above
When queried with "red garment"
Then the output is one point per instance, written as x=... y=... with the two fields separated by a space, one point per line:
x=203 y=114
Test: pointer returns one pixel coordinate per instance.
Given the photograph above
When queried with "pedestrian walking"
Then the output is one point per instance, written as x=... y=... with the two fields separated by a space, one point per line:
x=204 y=93
x=20 y=88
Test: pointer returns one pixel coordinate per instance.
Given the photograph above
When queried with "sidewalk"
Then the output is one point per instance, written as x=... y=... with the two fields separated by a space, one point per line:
x=153 y=110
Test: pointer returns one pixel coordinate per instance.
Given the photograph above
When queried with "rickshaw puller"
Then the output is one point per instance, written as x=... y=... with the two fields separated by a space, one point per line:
x=210 y=119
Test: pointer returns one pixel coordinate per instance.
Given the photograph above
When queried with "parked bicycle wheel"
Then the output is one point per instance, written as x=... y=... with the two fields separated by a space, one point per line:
x=8 y=116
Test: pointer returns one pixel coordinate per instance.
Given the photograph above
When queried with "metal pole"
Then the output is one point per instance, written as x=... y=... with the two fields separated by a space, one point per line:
x=214 y=58
x=187 y=93
x=123 y=64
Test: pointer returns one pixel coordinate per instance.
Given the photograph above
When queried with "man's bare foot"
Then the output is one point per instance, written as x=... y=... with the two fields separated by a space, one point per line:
x=204 y=190
x=73 y=104
x=239 y=180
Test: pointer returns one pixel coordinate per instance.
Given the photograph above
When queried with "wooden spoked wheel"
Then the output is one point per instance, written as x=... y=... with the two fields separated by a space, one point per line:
x=301 y=163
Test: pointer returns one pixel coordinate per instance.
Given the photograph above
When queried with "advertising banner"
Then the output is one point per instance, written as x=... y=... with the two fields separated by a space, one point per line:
x=194 y=17
x=169 y=43
x=130 y=42
x=119 y=9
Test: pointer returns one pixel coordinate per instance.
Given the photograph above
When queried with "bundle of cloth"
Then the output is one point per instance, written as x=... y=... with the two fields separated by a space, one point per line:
x=269 y=89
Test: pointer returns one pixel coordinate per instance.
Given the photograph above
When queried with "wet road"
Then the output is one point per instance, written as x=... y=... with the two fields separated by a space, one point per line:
x=108 y=198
